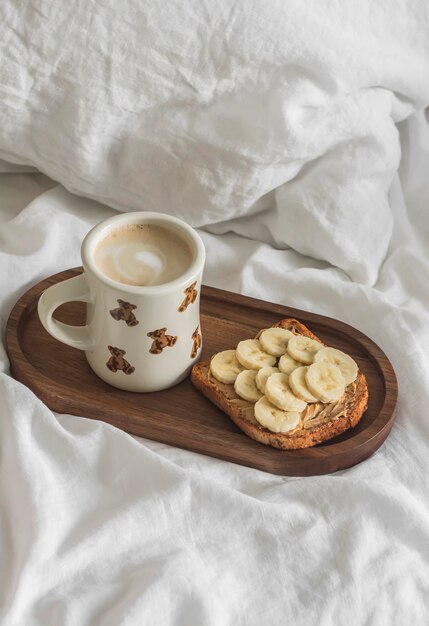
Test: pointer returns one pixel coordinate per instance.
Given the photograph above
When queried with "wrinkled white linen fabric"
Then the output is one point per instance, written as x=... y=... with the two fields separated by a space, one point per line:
x=100 y=528
x=207 y=110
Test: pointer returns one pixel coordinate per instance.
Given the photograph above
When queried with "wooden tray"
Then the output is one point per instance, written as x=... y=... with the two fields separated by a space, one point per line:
x=181 y=416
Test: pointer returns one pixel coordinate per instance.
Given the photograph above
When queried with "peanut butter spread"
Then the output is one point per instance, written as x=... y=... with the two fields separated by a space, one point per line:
x=314 y=414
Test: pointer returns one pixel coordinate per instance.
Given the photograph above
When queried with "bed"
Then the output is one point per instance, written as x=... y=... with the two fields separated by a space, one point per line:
x=295 y=138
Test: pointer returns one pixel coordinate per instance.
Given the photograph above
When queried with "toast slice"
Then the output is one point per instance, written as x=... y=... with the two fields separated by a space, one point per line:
x=318 y=422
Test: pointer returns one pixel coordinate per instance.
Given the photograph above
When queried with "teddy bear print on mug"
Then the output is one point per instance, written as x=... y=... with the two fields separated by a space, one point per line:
x=125 y=312
x=191 y=295
x=117 y=362
x=161 y=340
x=196 y=338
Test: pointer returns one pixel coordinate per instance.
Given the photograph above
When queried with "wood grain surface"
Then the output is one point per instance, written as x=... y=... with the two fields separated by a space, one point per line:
x=61 y=377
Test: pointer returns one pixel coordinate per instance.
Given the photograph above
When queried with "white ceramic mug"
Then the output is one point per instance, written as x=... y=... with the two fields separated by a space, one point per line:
x=137 y=338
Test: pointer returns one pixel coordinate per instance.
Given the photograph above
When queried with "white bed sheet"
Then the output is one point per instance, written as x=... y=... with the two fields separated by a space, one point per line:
x=276 y=120
x=98 y=527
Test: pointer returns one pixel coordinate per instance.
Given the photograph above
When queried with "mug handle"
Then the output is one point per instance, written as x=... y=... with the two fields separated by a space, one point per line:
x=73 y=289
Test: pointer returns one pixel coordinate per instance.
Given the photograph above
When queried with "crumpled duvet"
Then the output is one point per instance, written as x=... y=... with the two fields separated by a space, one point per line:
x=100 y=528
x=273 y=120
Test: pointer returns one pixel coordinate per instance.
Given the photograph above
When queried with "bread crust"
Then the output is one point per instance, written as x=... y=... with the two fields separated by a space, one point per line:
x=353 y=405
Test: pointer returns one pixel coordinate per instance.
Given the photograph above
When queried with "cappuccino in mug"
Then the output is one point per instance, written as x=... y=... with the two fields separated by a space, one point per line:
x=143 y=254
x=142 y=284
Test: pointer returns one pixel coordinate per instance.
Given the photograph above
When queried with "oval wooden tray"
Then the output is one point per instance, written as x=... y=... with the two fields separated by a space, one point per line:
x=181 y=416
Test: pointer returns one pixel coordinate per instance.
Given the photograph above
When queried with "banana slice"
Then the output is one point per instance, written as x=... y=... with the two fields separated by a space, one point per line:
x=262 y=376
x=275 y=340
x=245 y=386
x=252 y=356
x=225 y=367
x=347 y=365
x=273 y=418
x=303 y=349
x=287 y=364
x=299 y=386
x=280 y=394
x=325 y=381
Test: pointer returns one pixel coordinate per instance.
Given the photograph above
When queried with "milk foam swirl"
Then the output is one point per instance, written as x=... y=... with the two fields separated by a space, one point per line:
x=137 y=263
x=143 y=255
